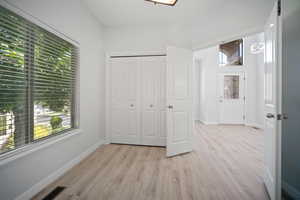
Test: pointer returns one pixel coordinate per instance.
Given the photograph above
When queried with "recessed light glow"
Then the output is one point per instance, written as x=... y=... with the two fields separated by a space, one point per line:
x=165 y=2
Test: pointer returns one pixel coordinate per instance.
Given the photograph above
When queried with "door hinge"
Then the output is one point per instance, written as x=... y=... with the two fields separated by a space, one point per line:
x=244 y=98
x=282 y=117
x=244 y=117
x=279 y=8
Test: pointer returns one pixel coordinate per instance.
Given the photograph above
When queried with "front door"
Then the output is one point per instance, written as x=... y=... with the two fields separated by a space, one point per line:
x=272 y=104
x=232 y=98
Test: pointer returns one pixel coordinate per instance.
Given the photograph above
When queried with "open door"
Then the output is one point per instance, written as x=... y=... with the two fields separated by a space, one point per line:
x=273 y=87
x=179 y=101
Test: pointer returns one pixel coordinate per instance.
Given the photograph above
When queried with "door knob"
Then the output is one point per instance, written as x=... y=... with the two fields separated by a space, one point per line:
x=151 y=105
x=270 y=115
x=170 y=107
x=131 y=105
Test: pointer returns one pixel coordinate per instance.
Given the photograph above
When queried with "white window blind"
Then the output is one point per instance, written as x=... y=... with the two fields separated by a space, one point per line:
x=37 y=82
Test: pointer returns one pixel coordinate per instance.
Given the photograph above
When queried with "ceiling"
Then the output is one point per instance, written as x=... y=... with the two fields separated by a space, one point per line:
x=119 y=13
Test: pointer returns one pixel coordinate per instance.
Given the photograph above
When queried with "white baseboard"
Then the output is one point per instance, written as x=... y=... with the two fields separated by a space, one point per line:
x=107 y=142
x=246 y=124
x=209 y=123
x=55 y=175
x=291 y=191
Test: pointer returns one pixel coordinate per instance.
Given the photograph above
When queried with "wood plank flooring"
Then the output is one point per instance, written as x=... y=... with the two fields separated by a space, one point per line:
x=227 y=164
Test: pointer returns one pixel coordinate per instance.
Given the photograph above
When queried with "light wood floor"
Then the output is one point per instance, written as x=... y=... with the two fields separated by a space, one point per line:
x=227 y=164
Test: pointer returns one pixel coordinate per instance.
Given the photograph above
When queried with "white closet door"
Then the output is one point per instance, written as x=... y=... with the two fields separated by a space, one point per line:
x=153 y=110
x=162 y=102
x=124 y=101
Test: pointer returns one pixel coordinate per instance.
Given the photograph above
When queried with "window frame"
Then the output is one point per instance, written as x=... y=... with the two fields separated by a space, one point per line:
x=37 y=144
x=243 y=55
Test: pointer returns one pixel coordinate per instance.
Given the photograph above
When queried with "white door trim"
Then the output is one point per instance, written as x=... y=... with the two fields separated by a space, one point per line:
x=107 y=98
x=279 y=100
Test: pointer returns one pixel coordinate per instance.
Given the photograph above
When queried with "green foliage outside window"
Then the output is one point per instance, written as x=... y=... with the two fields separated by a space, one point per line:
x=2 y=125
x=56 y=122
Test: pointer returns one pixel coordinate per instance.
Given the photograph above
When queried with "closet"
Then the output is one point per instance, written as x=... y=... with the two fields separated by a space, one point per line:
x=149 y=100
x=137 y=96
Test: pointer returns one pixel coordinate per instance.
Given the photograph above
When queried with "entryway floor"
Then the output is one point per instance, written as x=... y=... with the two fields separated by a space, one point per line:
x=227 y=164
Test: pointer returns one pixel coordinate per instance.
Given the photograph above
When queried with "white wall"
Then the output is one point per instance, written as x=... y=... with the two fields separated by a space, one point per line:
x=208 y=59
x=156 y=38
x=250 y=62
x=196 y=88
x=253 y=67
x=260 y=92
x=71 y=18
x=149 y=38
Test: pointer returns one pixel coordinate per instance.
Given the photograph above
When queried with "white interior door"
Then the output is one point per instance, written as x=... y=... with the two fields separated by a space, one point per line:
x=153 y=97
x=272 y=104
x=232 y=98
x=124 y=101
x=179 y=100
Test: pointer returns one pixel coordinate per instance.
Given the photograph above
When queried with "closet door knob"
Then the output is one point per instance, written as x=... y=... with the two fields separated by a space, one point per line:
x=131 y=105
x=151 y=105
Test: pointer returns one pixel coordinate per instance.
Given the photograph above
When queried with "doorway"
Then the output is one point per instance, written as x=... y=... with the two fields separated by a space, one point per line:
x=230 y=118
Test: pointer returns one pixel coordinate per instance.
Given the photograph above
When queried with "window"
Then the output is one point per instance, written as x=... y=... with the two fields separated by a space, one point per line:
x=231 y=86
x=37 y=83
x=231 y=53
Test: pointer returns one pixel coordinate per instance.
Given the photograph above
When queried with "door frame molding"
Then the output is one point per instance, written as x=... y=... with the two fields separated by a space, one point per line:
x=280 y=83
x=107 y=73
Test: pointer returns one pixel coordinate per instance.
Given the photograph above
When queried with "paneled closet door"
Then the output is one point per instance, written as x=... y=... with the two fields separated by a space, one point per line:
x=124 y=101
x=152 y=95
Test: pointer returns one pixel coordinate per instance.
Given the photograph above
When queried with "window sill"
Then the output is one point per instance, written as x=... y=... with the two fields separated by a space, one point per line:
x=31 y=148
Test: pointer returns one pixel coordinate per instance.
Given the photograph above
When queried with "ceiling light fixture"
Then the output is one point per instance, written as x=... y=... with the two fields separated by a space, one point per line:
x=257 y=47
x=164 y=2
